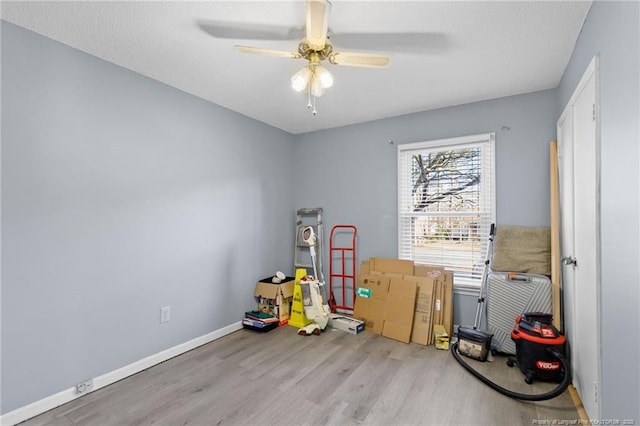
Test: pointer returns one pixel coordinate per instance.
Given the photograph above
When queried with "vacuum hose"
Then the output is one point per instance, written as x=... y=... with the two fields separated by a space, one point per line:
x=515 y=395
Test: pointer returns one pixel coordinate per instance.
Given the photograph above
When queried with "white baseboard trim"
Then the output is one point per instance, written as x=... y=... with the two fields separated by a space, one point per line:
x=38 y=407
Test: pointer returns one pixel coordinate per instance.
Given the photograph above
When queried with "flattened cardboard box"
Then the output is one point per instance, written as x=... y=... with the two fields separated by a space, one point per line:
x=436 y=315
x=364 y=267
x=441 y=300
x=424 y=297
x=387 y=274
x=372 y=285
x=398 y=313
x=447 y=314
x=421 y=328
x=371 y=298
x=422 y=325
x=439 y=305
x=420 y=270
x=371 y=311
x=395 y=266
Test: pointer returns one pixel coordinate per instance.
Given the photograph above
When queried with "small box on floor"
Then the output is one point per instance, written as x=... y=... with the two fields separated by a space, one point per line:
x=344 y=323
x=441 y=337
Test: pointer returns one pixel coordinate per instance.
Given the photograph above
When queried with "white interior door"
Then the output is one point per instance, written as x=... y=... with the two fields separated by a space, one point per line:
x=578 y=149
x=565 y=178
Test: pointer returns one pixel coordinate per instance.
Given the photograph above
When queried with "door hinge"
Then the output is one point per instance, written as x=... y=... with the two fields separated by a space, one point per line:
x=593 y=112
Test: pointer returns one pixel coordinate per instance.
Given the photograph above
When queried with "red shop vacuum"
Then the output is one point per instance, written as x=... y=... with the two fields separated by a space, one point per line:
x=536 y=339
x=539 y=355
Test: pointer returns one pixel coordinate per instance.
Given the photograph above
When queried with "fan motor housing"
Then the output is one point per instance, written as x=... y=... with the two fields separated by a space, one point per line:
x=308 y=53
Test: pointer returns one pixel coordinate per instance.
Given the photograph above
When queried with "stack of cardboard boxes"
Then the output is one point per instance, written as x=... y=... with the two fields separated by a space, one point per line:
x=403 y=301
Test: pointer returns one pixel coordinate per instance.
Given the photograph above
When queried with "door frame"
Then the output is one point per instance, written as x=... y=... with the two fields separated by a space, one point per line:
x=593 y=70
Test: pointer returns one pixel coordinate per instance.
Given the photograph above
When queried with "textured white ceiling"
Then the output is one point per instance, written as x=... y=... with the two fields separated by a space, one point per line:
x=444 y=53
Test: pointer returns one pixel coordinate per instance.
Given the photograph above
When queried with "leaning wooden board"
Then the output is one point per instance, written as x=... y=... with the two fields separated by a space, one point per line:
x=555 y=234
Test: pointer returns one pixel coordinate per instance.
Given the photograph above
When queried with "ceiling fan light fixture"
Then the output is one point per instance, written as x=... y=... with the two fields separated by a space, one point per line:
x=314 y=78
x=316 y=87
x=324 y=76
x=316 y=47
x=300 y=80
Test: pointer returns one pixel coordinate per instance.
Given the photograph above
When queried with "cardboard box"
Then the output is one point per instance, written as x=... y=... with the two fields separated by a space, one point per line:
x=421 y=328
x=443 y=299
x=424 y=297
x=399 y=309
x=447 y=313
x=371 y=298
x=441 y=337
x=364 y=267
x=344 y=323
x=438 y=305
x=439 y=302
x=422 y=325
x=388 y=274
x=430 y=271
x=396 y=266
x=371 y=311
x=434 y=298
x=275 y=298
x=370 y=285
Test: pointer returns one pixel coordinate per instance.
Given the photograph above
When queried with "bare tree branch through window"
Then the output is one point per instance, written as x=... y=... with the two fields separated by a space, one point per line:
x=446 y=176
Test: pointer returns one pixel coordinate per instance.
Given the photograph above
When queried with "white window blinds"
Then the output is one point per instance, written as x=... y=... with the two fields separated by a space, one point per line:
x=446 y=201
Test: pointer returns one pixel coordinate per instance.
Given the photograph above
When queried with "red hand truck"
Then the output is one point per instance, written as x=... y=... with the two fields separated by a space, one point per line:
x=344 y=278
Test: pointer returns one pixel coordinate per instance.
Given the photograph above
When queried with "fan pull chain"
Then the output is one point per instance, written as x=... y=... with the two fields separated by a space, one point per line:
x=311 y=105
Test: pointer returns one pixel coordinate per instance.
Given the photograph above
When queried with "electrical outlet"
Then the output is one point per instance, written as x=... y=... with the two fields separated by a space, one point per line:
x=84 y=387
x=165 y=314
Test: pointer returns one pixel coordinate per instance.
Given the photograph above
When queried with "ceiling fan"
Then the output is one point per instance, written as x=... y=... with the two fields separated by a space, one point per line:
x=315 y=47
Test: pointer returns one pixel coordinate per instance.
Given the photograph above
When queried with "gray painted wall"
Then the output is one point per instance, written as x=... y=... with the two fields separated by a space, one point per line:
x=612 y=31
x=121 y=195
x=354 y=169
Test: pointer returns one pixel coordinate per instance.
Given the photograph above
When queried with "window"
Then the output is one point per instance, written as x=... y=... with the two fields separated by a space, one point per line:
x=446 y=201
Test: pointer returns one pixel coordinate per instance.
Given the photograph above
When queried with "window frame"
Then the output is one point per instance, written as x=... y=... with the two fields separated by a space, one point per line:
x=487 y=143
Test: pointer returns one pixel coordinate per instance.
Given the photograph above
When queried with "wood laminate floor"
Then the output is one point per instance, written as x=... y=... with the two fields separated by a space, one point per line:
x=281 y=378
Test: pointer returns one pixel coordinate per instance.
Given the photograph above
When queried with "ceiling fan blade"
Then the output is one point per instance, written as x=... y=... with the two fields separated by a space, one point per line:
x=317 y=23
x=258 y=50
x=245 y=31
x=354 y=59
